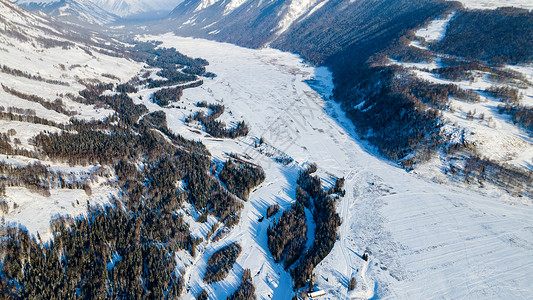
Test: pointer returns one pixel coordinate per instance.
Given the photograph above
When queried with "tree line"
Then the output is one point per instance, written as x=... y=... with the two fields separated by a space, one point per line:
x=221 y=262
x=240 y=177
x=126 y=249
x=217 y=128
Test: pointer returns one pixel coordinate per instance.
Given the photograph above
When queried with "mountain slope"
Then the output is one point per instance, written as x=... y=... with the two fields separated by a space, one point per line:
x=45 y=64
x=71 y=140
x=315 y=29
x=128 y=8
x=71 y=10
x=229 y=21
x=100 y=11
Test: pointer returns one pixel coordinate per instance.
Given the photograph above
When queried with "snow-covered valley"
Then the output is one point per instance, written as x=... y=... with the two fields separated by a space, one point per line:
x=427 y=240
x=160 y=209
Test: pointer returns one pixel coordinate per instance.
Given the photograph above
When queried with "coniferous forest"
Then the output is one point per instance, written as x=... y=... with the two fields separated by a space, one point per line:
x=124 y=250
x=151 y=177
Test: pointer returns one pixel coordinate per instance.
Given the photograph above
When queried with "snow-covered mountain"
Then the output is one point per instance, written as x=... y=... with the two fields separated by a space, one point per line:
x=42 y=57
x=99 y=11
x=127 y=8
x=71 y=10
x=264 y=20
x=316 y=29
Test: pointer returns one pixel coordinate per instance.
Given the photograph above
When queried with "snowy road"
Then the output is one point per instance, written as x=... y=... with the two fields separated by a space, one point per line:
x=427 y=240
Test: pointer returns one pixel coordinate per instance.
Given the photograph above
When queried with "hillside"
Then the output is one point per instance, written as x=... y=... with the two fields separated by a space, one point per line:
x=39 y=58
x=100 y=12
x=73 y=11
x=464 y=103
x=170 y=167
x=71 y=141
x=298 y=25
x=360 y=40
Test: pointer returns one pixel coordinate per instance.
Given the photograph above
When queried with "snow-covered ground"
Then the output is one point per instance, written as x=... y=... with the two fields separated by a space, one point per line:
x=122 y=8
x=436 y=30
x=35 y=211
x=493 y=4
x=495 y=135
x=426 y=240
x=63 y=67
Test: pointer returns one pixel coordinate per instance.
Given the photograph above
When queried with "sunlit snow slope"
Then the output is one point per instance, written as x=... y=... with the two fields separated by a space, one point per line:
x=34 y=46
x=492 y=4
x=426 y=240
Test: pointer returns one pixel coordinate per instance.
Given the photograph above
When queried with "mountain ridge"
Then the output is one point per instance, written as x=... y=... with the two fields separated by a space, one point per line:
x=100 y=11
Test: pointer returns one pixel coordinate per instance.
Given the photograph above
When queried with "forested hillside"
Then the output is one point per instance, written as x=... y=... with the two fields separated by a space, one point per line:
x=109 y=175
x=397 y=116
x=129 y=169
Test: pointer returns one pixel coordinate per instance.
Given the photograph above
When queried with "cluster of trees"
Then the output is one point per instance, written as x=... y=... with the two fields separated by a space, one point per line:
x=192 y=160
x=246 y=290
x=521 y=115
x=144 y=266
x=89 y=146
x=165 y=96
x=173 y=77
x=142 y=263
x=217 y=128
x=457 y=69
x=206 y=193
x=41 y=178
x=109 y=254
x=505 y=35
x=15 y=72
x=7 y=148
x=506 y=94
x=402 y=51
x=202 y=295
x=25 y=115
x=272 y=210
x=128 y=111
x=400 y=114
x=287 y=236
x=326 y=220
x=398 y=124
x=170 y=62
x=125 y=250
x=221 y=262
x=126 y=88
x=240 y=177
x=5 y=144
x=56 y=105
x=455 y=73
x=515 y=180
x=432 y=94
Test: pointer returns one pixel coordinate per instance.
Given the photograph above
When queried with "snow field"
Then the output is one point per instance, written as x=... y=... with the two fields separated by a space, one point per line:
x=494 y=134
x=420 y=233
x=493 y=4
x=436 y=30
x=33 y=210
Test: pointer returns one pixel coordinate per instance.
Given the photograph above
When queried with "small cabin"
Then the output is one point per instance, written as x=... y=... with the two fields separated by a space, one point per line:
x=316 y=294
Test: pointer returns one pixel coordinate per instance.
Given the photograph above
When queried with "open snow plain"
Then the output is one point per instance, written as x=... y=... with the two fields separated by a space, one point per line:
x=426 y=240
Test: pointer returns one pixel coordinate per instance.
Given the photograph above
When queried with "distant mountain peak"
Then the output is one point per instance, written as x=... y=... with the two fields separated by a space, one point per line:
x=126 y=8
x=98 y=11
